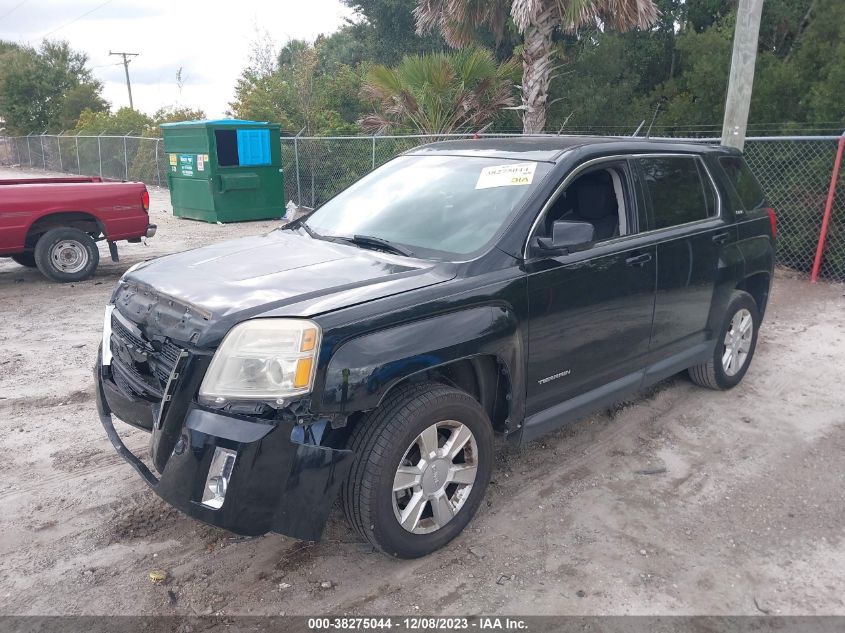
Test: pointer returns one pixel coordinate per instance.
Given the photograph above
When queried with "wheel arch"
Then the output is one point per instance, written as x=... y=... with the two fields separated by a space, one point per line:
x=758 y=285
x=81 y=220
x=477 y=350
x=484 y=377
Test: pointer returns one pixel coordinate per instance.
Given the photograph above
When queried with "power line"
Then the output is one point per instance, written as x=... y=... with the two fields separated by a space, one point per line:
x=87 y=13
x=14 y=8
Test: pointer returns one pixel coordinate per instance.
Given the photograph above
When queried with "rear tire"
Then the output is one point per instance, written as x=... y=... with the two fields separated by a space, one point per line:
x=66 y=255
x=735 y=345
x=422 y=464
x=25 y=259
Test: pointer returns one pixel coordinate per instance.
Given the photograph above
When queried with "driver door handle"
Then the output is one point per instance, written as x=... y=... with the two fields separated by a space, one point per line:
x=638 y=260
x=721 y=238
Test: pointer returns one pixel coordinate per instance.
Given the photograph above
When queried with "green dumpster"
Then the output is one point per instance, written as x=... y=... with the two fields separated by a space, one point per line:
x=224 y=171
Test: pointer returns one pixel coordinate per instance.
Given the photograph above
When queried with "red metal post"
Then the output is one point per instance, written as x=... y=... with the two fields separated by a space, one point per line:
x=828 y=207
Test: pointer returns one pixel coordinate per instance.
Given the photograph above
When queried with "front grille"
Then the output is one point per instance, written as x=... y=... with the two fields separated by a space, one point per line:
x=141 y=368
x=118 y=329
x=121 y=380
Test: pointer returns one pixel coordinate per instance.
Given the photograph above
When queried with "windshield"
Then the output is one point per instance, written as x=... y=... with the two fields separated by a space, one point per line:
x=445 y=204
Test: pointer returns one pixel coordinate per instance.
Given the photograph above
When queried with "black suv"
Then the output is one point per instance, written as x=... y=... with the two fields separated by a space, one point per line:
x=372 y=348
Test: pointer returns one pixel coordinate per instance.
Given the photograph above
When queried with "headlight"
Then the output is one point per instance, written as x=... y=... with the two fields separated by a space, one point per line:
x=263 y=359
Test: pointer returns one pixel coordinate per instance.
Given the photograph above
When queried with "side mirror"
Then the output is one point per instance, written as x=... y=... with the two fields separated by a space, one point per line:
x=568 y=237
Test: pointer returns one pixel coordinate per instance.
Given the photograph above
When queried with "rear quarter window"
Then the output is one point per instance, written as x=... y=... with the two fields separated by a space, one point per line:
x=679 y=189
x=744 y=183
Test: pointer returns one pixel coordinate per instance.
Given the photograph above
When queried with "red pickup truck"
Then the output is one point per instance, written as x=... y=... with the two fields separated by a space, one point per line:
x=54 y=223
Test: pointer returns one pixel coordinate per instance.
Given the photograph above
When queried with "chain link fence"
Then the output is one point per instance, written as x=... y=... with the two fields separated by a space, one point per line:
x=795 y=173
x=112 y=157
x=316 y=168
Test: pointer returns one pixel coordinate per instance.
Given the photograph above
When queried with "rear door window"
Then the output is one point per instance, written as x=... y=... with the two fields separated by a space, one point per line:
x=679 y=190
x=747 y=188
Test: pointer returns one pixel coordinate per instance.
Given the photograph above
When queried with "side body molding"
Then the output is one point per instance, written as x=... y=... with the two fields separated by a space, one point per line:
x=363 y=370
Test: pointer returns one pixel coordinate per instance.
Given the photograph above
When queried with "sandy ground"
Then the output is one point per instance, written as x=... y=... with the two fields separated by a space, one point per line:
x=746 y=518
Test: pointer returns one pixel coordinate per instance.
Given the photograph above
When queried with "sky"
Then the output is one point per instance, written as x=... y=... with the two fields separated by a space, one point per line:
x=209 y=40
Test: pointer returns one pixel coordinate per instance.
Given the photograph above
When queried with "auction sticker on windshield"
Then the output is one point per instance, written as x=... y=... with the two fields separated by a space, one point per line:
x=506 y=175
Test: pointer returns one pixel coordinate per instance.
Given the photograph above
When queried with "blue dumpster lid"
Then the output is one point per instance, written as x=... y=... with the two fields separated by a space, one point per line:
x=218 y=122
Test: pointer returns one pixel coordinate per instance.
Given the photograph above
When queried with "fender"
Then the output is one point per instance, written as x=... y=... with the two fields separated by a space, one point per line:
x=729 y=271
x=14 y=237
x=748 y=265
x=759 y=256
x=363 y=370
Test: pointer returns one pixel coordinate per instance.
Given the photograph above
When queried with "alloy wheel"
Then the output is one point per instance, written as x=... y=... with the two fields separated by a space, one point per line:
x=737 y=342
x=435 y=477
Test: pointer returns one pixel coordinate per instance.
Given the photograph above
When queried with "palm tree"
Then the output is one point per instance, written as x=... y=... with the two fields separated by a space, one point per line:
x=439 y=93
x=537 y=21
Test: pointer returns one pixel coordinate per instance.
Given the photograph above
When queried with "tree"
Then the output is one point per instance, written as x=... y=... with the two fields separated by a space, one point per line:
x=799 y=75
x=43 y=89
x=174 y=114
x=537 y=21
x=304 y=91
x=308 y=98
x=815 y=58
x=25 y=93
x=127 y=121
x=439 y=93
x=123 y=122
x=695 y=96
x=384 y=31
x=78 y=99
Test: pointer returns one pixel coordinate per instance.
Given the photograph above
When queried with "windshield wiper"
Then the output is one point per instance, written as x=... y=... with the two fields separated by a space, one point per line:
x=300 y=223
x=377 y=242
x=357 y=240
x=310 y=231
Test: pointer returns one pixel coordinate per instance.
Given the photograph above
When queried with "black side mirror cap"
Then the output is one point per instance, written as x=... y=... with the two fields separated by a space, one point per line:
x=568 y=237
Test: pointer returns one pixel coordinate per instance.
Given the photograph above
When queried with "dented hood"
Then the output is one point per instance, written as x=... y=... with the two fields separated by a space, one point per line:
x=283 y=272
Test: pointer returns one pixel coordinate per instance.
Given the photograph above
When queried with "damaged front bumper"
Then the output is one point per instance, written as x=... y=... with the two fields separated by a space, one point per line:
x=282 y=481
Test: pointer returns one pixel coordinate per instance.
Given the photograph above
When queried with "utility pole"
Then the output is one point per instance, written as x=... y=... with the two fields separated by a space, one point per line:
x=126 y=61
x=741 y=79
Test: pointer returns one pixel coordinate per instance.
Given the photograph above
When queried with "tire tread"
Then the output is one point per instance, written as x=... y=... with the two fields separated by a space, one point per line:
x=42 y=255
x=373 y=437
x=705 y=374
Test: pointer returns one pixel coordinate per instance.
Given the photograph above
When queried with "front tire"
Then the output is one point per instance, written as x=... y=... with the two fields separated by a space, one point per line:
x=66 y=255
x=735 y=345
x=422 y=464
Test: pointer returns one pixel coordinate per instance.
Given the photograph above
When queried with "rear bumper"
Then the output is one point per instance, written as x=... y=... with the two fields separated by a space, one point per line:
x=279 y=482
x=151 y=230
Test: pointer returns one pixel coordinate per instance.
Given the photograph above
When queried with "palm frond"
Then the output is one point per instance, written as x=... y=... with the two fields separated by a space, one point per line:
x=570 y=15
x=440 y=92
x=458 y=20
x=619 y=15
x=381 y=81
x=622 y=15
x=536 y=20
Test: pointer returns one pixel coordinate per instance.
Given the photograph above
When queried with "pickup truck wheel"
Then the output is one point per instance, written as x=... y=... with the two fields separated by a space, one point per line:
x=735 y=345
x=422 y=463
x=66 y=254
x=25 y=259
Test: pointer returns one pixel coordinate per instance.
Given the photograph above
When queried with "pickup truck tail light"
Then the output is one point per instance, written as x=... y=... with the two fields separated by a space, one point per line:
x=774 y=220
x=145 y=200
